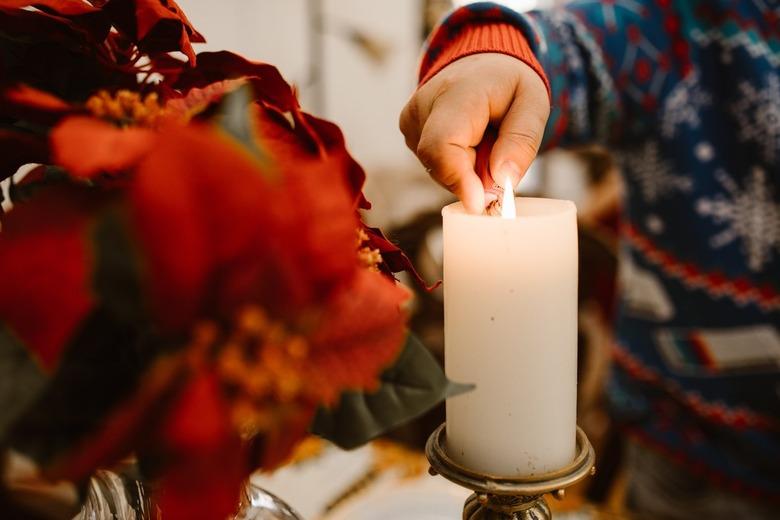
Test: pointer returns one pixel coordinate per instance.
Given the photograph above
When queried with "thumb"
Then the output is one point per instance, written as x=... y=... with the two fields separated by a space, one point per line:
x=519 y=137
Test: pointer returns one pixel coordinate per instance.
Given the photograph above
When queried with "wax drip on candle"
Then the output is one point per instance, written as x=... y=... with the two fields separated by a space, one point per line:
x=508 y=203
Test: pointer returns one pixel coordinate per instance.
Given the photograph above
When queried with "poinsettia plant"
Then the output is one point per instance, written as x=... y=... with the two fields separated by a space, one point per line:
x=184 y=275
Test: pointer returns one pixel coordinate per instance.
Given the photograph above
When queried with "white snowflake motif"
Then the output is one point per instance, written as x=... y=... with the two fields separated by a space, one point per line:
x=758 y=116
x=750 y=215
x=704 y=152
x=683 y=106
x=653 y=174
x=654 y=224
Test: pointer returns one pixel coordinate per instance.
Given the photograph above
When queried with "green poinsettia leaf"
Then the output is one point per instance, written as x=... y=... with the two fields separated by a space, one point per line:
x=21 y=379
x=414 y=384
x=116 y=278
x=234 y=118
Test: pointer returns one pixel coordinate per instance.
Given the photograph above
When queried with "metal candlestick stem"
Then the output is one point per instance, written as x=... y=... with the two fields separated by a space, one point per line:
x=503 y=498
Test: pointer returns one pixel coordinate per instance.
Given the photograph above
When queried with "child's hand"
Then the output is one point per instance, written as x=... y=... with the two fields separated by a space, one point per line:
x=446 y=118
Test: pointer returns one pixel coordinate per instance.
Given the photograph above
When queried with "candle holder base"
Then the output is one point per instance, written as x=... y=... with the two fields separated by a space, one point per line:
x=497 y=507
x=509 y=498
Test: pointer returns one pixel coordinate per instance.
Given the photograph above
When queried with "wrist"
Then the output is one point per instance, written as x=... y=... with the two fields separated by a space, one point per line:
x=503 y=38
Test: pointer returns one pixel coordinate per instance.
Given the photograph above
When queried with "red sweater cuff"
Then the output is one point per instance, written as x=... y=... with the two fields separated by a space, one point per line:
x=486 y=37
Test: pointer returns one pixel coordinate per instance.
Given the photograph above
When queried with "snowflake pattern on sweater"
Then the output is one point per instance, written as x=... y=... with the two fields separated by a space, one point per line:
x=683 y=106
x=687 y=93
x=758 y=113
x=652 y=174
x=751 y=216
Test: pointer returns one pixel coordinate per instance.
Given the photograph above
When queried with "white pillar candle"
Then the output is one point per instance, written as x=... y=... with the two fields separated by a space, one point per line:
x=510 y=323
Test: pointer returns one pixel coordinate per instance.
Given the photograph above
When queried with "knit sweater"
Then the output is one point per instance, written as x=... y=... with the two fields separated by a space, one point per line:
x=687 y=95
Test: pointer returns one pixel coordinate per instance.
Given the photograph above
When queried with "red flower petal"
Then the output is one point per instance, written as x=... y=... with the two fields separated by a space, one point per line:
x=275 y=448
x=361 y=332
x=312 y=258
x=156 y=25
x=218 y=66
x=333 y=140
x=199 y=421
x=197 y=209
x=31 y=104
x=208 y=462
x=221 y=230
x=394 y=260
x=45 y=270
x=61 y=55
x=65 y=7
x=87 y=147
x=198 y=99
x=204 y=486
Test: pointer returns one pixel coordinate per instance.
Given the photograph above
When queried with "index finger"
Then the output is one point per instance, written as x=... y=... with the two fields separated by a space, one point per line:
x=447 y=143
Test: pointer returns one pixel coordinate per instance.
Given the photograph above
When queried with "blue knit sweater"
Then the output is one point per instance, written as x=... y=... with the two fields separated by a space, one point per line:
x=687 y=94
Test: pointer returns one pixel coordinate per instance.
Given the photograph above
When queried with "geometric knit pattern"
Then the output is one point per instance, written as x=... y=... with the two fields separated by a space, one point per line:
x=740 y=291
x=687 y=93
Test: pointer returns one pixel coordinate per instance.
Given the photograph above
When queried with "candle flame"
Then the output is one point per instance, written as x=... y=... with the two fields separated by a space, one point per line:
x=508 y=203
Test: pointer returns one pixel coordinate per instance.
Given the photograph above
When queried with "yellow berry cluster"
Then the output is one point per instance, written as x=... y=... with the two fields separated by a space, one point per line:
x=368 y=257
x=127 y=108
x=263 y=367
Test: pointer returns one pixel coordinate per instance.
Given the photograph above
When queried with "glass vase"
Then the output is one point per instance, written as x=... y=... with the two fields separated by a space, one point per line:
x=117 y=496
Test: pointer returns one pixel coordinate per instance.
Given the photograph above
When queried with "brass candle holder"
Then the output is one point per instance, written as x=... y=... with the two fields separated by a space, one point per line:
x=509 y=498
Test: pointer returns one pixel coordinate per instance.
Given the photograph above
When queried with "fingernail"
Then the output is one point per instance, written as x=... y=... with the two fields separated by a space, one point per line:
x=509 y=169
